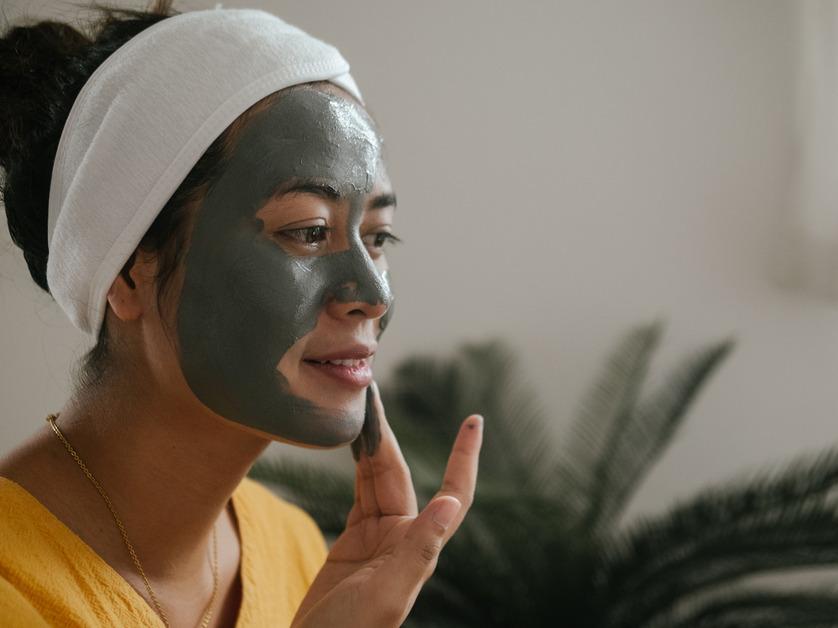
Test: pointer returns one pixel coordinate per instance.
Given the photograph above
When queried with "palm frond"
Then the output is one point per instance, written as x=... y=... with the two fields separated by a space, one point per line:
x=758 y=609
x=608 y=407
x=775 y=521
x=650 y=428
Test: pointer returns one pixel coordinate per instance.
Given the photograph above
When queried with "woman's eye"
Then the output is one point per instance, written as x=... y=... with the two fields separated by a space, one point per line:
x=306 y=235
x=378 y=240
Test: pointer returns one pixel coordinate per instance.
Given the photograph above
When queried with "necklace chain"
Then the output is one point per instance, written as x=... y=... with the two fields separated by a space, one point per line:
x=205 y=619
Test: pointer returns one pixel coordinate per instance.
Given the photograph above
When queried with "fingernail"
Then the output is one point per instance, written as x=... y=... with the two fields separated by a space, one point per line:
x=446 y=511
x=475 y=422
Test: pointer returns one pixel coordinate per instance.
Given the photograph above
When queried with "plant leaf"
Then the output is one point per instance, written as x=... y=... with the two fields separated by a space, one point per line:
x=759 y=609
x=770 y=523
x=583 y=471
x=650 y=428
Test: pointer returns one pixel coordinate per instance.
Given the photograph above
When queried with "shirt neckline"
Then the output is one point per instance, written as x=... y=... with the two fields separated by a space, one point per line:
x=116 y=579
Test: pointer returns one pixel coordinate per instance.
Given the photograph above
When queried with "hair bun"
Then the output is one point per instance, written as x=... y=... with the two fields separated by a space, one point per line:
x=43 y=67
x=36 y=65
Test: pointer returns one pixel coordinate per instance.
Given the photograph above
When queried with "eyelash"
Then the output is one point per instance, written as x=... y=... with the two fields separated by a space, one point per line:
x=383 y=237
x=315 y=234
x=303 y=234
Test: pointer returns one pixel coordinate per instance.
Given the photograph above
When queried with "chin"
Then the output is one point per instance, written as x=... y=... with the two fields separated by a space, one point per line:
x=342 y=430
x=348 y=421
x=355 y=425
x=349 y=404
x=340 y=420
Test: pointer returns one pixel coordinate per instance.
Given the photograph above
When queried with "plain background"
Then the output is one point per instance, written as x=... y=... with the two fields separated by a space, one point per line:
x=564 y=170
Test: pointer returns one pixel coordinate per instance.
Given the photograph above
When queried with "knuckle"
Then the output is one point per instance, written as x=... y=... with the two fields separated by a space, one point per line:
x=466 y=499
x=428 y=552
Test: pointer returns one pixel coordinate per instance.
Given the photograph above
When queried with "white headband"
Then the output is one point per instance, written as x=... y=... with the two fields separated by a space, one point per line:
x=143 y=120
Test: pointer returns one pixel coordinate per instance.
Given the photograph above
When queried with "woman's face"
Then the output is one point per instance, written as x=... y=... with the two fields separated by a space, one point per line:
x=285 y=288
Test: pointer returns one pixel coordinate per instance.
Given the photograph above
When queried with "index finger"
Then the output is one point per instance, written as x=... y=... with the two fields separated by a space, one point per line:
x=460 y=477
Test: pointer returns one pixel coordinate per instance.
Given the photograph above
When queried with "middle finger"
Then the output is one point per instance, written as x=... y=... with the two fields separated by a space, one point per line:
x=383 y=482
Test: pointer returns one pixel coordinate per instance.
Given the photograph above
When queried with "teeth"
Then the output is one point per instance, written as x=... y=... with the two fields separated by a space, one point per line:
x=343 y=362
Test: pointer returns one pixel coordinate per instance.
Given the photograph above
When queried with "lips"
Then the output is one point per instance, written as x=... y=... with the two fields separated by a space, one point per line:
x=349 y=373
x=350 y=366
x=351 y=352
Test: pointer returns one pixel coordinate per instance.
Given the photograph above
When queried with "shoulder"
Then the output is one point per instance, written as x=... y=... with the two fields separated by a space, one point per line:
x=283 y=543
x=20 y=514
x=259 y=500
x=15 y=609
x=282 y=522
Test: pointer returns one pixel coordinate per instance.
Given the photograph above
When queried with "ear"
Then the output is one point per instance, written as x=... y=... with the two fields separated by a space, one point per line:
x=126 y=296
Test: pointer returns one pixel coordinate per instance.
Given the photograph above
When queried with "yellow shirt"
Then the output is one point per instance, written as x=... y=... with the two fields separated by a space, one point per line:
x=50 y=577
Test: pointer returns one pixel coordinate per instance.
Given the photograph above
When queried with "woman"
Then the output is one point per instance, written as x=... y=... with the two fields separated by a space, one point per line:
x=205 y=194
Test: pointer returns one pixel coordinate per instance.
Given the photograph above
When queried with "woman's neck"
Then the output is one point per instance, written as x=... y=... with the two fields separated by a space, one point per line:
x=168 y=465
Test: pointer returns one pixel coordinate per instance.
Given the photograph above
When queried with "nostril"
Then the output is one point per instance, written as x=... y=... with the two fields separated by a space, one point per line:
x=358 y=280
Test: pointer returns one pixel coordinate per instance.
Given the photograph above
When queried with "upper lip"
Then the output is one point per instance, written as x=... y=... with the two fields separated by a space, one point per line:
x=354 y=352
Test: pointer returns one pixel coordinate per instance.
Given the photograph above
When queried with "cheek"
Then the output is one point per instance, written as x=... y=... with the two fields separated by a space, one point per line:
x=277 y=306
x=245 y=302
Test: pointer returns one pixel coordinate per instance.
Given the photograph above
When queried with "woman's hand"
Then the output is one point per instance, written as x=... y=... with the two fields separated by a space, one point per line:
x=379 y=563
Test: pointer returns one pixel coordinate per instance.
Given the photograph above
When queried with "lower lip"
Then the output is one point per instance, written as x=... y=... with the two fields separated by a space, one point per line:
x=358 y=376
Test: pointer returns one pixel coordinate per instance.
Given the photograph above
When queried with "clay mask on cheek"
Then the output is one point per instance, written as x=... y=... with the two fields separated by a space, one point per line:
x=246 y=301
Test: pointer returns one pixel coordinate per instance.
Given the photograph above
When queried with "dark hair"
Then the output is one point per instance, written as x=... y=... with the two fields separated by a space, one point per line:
x=43 y=67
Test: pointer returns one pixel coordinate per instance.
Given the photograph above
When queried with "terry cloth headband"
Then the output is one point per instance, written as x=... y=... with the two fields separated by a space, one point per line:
x=142 y=121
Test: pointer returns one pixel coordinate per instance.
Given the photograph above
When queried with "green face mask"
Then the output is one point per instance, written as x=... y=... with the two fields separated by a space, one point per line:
x=245 y=301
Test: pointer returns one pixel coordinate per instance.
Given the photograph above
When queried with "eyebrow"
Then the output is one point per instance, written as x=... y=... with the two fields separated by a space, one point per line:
x=309 y=187
x=383 y=200
x=328 y=192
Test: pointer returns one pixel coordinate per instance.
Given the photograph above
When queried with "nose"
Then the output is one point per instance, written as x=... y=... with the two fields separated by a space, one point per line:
x=361 y=289
x=355 y=306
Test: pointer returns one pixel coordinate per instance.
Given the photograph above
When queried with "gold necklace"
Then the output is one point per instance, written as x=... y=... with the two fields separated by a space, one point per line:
x=205 y=619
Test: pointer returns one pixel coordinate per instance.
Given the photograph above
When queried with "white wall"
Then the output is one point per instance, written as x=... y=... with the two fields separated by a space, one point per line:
x=564 y=170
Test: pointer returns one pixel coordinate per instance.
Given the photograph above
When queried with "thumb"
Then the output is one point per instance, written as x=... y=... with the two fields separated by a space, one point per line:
x=429 y=531
x=416 y=556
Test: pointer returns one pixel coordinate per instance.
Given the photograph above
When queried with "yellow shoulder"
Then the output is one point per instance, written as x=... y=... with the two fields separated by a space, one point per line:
x=15 y=610
x=272 y=508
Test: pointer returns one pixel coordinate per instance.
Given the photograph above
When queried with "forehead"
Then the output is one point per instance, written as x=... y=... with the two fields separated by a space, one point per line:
x=311 y=134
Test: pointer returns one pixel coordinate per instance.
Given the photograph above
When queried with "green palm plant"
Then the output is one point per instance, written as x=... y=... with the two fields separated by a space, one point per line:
x=543 y=545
